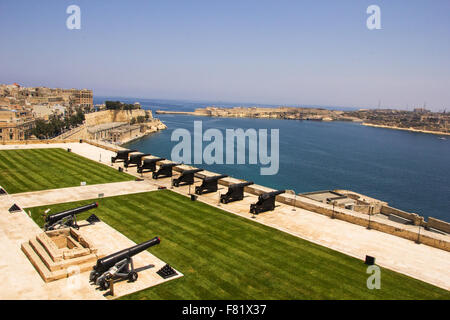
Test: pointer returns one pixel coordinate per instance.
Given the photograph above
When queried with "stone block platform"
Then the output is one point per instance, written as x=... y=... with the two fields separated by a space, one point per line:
x=60 y=253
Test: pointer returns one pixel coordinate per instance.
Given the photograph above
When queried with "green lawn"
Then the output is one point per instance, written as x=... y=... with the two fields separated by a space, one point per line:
x=224 y=256
x=41 y=169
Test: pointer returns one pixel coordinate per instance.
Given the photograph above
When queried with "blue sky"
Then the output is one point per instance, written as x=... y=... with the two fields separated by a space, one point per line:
x=276 y=52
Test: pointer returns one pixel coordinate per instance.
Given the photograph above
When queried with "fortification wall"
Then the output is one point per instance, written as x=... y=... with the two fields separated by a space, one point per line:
x=438 y=224
x=417 y=220
x=107 y=116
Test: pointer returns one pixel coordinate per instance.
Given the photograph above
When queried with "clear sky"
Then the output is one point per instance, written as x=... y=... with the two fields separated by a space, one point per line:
x=313 y=52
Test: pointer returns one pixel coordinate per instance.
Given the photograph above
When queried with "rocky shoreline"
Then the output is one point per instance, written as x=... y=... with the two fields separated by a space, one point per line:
x=406 y=129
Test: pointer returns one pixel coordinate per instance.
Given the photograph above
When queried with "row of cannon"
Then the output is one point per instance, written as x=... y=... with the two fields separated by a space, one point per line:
x=119 y=265
x=133 y=158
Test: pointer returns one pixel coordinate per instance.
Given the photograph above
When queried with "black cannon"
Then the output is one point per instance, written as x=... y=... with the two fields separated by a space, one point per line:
x=187 y=176
x=134 y=159
x=209 y=184
x=149 y=165
x=235 y=192
x=266 y=202
x=66 y=218
x=119 y=265
x=165 y=170
x=122 y=155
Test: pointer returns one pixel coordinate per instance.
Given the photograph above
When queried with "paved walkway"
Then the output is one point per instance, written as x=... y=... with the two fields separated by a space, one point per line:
x=54 y=196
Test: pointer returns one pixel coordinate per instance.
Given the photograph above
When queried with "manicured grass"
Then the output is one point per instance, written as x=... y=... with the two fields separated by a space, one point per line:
x=41 y=169
x=224 y=256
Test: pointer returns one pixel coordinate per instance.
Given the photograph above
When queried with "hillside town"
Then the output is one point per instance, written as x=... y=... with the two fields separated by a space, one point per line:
x=24 y=108
x=50 y=113
x=420 y=119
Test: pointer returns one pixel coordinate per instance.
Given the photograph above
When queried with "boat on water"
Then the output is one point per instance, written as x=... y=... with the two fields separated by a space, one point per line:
x=442 y=138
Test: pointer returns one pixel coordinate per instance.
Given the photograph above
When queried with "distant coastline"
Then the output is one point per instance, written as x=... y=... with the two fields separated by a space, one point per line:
x=419 y=120
x=406 y=129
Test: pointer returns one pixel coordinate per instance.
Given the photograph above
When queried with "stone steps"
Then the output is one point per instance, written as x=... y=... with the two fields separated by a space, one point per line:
x=44 y=272
x=50 y=270
x=43 y=255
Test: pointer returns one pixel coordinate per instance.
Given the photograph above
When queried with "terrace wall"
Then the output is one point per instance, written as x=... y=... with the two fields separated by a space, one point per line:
x=417 y=220
x=438 y=224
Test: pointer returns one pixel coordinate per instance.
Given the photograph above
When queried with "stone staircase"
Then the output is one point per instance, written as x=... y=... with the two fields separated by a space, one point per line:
x=57 y=255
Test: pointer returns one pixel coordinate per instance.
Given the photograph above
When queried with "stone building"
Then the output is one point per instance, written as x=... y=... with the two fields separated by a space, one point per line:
x=14 y=123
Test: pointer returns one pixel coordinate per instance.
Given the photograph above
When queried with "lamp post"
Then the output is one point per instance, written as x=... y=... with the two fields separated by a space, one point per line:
x=295 y=201
x=370 y=213
x=332 y=215
x=418 y=236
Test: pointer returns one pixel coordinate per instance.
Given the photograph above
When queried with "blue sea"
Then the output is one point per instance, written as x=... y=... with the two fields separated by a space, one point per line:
x=411 y=171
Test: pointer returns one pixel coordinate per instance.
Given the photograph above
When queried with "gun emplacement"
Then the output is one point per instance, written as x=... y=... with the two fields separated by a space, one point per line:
x=235 y=192
x=66 y=218
x=149 y=165
x=165 y=170
x=135 y=159
x=209 y=184
x=186 y=177
x=122 y=155
x=119 y=265
x=266 y=202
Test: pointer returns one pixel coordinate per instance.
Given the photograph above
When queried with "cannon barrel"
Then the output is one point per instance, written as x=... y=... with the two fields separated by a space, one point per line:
x=127 y=151
x=60 y=215
x=190 y=171
x=241 y=185
x=149 y=164
x=169 y=165
x=107 y=262
x=270 y=194
x=214 y=178
x=140 y=155
x=153 y=160
x=135 y=158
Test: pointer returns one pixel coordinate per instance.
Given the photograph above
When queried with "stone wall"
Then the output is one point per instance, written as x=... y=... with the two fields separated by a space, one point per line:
x=107 y=116
x=438 y=224
x=417 y=220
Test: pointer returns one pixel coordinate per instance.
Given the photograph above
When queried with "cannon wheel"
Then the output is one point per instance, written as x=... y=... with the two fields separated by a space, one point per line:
x=92 y=276
x=132 y=276
x=104 y=284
